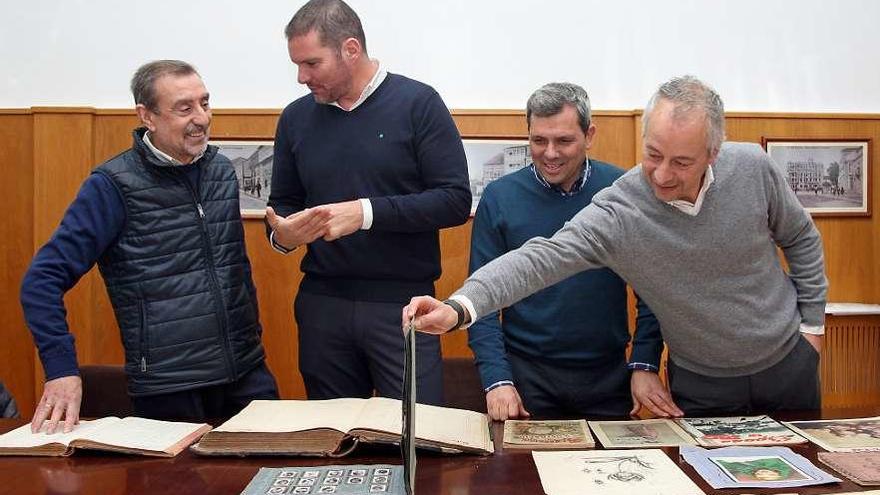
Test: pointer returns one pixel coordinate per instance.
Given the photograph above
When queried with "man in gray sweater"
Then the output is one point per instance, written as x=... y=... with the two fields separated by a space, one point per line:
x=694 y=230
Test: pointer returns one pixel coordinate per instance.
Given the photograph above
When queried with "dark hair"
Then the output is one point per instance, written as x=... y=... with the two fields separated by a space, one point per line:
x=551 y=98
x=143 y=83
x=334 y=21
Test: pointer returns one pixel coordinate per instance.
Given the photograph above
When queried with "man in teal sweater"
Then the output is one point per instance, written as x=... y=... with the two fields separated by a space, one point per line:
x=694 y=229
x=562 y=350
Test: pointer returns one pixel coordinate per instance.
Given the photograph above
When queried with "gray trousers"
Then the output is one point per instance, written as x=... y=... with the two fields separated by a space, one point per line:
x=791 y=384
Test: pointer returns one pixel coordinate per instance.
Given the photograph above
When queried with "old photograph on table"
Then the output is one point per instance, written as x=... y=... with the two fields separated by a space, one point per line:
x=252 y=161
x=489 y=159
x=841 y=435
x=612 y=472
x=754 y=467
x=829 y=177
x=640 y=433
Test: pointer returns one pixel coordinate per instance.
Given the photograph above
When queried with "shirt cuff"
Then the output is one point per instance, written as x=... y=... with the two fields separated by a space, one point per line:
x=497 y=384
x=643 y=367
x=278 y=247
x=813 y=329
x=468 y=307
x=368 y=214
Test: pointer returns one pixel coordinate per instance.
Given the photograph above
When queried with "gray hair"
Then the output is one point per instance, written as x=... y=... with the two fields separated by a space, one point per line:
x=143 y=83
x=334 y=21
x=551 y=98
x=689 y=94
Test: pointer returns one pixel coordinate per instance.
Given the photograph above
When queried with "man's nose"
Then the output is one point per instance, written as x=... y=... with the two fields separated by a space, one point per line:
x=663 y=173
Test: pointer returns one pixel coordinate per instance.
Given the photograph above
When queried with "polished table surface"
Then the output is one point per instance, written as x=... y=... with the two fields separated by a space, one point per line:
x=506 y=472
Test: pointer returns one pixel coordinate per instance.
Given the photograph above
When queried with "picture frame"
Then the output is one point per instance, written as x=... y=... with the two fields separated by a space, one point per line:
x=830 y=177
x=251 y=158
x=491 y=158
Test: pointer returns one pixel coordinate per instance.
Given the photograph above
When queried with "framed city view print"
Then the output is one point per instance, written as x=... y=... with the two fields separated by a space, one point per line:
x=252 y=160
x=489 y=159
x=830 y=177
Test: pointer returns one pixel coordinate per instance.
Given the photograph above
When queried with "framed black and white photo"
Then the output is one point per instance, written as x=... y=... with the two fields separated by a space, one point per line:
x=489 y=159
x=830 y=177
x=252 y=160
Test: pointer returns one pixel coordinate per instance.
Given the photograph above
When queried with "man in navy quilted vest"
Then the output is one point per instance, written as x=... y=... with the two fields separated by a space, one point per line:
x=162 y=222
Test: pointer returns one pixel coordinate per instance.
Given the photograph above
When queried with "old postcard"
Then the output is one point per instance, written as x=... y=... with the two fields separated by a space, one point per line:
x=641 y=433
x=841 y=435
x=741 y=430
x=612 y=472
x=555 y=434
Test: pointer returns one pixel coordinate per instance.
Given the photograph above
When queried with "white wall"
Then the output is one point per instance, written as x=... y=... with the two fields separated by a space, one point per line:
x=763 y=55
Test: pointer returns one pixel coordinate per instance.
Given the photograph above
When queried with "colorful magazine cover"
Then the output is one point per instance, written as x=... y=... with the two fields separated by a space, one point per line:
x=742 y=430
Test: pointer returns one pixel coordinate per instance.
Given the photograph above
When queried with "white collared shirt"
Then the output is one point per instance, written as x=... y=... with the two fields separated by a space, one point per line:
x=693 y=209
x=165 y=157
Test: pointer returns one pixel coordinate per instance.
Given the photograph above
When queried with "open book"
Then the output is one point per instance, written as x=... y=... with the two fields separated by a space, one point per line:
x=128 y=435
x=334 y=428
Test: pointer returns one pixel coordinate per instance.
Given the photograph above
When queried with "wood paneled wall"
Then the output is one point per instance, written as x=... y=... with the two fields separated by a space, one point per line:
x=45 y=153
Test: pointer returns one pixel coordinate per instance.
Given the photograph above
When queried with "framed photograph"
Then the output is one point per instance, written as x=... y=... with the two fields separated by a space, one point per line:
x=252 y=160
x=831 y=177
x=489 y=159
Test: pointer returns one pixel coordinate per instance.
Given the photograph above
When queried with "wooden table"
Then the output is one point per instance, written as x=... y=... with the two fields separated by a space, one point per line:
x=507 y=472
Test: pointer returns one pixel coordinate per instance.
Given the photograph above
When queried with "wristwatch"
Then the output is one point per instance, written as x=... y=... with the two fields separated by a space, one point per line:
x=459 y=310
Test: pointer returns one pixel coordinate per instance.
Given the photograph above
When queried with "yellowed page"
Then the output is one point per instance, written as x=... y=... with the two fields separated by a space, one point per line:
x=439 y=424
x=280 y=416
x=22 y=437
x=142 y=434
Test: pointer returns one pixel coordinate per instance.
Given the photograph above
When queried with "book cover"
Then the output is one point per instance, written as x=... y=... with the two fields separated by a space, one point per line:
x=743 y=430
x=840 y=435
x=553 y=434
x=640 y=433
x=861 y=467
x=359 y=479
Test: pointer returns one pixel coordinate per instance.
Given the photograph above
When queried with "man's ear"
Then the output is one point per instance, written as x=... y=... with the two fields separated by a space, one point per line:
x=146 y=116
x=591 y=132
x=351 y=49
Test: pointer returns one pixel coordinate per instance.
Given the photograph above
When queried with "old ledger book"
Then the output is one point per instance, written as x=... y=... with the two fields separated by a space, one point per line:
x=334 y=428
x=553 y=434
x=128 y=435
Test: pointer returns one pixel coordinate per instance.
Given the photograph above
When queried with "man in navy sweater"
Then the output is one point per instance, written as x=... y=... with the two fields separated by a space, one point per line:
x=367 y=169
x=162 y=222
x=560 y=351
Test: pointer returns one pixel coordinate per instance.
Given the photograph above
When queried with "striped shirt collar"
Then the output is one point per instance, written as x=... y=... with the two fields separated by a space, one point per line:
x=575 y=188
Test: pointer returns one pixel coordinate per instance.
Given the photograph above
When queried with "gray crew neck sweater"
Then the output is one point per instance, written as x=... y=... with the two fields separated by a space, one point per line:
x=715 y=282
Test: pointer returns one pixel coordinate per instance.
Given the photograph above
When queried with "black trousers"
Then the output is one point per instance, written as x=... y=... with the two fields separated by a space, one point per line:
x=791 y=384
x=353 y=348
x=554 y=391
x=215 y=401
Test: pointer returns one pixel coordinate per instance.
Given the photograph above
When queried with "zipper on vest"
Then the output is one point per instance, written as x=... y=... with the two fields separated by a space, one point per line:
x=143 y=337
x=219 y=306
